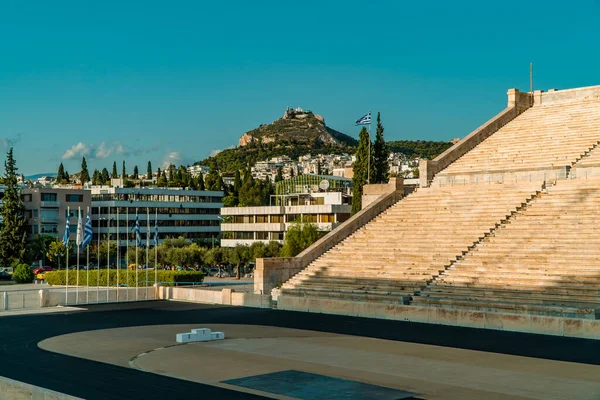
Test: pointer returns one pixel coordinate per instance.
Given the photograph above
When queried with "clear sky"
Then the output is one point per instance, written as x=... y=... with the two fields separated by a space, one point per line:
x=177 y=80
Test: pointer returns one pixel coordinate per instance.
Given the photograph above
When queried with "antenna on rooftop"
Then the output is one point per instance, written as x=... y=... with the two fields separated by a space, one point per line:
x=531 y=78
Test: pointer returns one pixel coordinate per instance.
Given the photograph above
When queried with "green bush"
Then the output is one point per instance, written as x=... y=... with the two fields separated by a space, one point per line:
x=23 y=274
x=125 y=278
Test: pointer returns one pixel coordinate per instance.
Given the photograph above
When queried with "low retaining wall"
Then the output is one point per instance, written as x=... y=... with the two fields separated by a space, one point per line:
x=225 y=296
x=580 y=328
x=56 y=297
x=15 y=390
x=272 y=272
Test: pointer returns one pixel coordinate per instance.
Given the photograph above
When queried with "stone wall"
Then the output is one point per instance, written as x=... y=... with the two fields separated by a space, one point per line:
x=272 y=272
x=557 y=326
x=517 y=103
x=226 y=296
x=15 y=390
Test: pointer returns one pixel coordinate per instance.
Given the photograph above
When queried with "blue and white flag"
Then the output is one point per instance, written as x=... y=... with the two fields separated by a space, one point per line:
x=138 y=237
x=156 y=232
x=79 y=237
x=366 y=120
x=87 y=231
x=67 y=231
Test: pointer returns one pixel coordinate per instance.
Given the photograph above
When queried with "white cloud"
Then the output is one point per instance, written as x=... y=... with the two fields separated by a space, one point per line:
x=78 y=150
x=7 y=143
x=214 y=152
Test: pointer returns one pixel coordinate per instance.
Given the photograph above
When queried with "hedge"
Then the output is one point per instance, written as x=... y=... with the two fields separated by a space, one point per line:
x=164 y=277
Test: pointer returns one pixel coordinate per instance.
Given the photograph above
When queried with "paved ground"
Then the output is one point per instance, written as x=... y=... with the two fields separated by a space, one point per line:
x=433 y=371
x=23 y=360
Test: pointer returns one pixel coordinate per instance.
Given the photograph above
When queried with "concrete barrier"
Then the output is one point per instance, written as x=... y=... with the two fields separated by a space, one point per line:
x=527 y=323
x=15 y=390
x=57 y=296
x=225 y=296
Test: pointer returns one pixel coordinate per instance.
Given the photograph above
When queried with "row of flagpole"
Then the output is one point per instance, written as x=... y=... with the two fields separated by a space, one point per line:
x=84 y=237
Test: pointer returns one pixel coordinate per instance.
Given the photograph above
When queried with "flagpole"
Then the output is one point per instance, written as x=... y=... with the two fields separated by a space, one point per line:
x=98 y=280
x=147 y=247
x=156 y=253
x=87 y=292
x=136 y=252
x=127 y=251
x=66 y=236
x=77 y=243
x=369 y=156
x=118 y=259
x=108 y=256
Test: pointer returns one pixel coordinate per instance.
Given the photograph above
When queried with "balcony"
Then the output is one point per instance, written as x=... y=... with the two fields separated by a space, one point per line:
x=49 y=219
x=54 y=204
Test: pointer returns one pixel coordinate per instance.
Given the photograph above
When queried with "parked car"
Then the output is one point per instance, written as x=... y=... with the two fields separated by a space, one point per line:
x=41 y=270
x=5 y=276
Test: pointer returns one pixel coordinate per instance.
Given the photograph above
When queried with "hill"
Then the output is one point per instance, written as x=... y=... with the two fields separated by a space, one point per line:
x=298 y=132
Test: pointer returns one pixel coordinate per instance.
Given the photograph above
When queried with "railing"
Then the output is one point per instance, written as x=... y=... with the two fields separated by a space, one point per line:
x=50 y=203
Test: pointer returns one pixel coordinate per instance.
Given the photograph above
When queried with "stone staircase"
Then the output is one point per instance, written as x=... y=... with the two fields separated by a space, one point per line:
x=545 y=261
x=397 y=254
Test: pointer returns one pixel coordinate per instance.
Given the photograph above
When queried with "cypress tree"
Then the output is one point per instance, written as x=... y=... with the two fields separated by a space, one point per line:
x=279 y=176
x=96 y=178
x=201 y=181
x=105 y=177
x=60 y=176
x=360 y=170
x=149 y=171
x=135 y=172
x=84 y=177
x=381 y=153
x=237 y=183
x=114 y=174
x=123 y=172
x=14 y=223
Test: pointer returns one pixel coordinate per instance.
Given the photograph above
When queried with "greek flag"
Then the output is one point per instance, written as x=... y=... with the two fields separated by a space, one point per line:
x=67 y=231
x=87 y=231
x=138 y=237
x=366 y=120
x=79 y=237
x=156 y=232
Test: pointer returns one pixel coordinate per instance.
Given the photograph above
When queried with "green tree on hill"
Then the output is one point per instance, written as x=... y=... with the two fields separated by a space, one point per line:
x=360 y=170
x=84 y=177
x=135 y=172
x=114 y=174
x=105 y=177
x=149 y=171
x=14 y=223
x=60 y=176
x=381 y=153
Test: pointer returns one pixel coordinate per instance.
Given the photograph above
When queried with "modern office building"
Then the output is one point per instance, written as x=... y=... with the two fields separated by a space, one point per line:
x=322 y=200
x=192 y=214
x=46 y=209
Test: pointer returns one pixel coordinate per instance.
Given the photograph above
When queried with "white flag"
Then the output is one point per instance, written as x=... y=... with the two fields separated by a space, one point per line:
x=79 y=238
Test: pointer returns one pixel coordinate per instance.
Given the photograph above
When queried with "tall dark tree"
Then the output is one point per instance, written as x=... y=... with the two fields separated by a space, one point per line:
x=381 y=152
x=360 y=170
x=279 y=176
x=105 y=176
x=319 y=167
x=158 y=173
x=123 y=171
x=67 y=177
x=201 y=181
x=149 y=171
x=97 y=178
x=14 y=223
x=135 y=172
x=84 y=177
x=237 y=183
x=114 y=173
x=60 y=176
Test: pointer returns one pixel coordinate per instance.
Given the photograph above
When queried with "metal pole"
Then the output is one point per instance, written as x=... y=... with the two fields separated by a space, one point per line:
x=98 y=280
x=67 y=267
x=369 y=157
x=156 y=254
x=127 y=251
x=87 y=283
x=136 y=255
x=147 y=247
x=108 y=255
x=77 y=244
x=118 y=258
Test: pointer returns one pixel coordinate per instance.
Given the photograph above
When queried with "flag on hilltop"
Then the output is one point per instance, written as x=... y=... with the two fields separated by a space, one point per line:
x=87 y=231
x=366 y=120
x=79 y=237
x=67 y=231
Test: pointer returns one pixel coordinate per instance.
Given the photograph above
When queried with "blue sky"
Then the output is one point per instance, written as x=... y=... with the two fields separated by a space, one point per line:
x=175 y=81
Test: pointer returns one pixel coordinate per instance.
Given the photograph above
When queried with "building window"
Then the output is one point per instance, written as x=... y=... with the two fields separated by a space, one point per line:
x=70 y=213
x=262 y=235
x=327 y=218
x=48 y=196
x=291 y=217
x=262 y=219
x=51 y=228
x=276 y=235
x=276 y=219
x=312 y=218
x=75 y=198
x=242 y=219
x=243 y=235
x=35 y=229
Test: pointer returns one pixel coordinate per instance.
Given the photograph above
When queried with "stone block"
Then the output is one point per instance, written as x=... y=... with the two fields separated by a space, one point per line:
x=226 y=296
x=202 y=334
x=185 y=337
x=217 y=336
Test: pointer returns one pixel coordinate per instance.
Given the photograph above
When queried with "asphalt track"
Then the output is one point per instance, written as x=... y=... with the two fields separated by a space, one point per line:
x=21 y=359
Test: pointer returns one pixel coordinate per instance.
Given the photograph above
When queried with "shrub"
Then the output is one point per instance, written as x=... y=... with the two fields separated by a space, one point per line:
x=23 y=274
x=164 y=277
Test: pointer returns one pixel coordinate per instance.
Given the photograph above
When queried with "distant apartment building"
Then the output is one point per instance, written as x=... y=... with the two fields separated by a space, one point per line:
x=304 y=198
x=46 y=209
x=192 y=214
